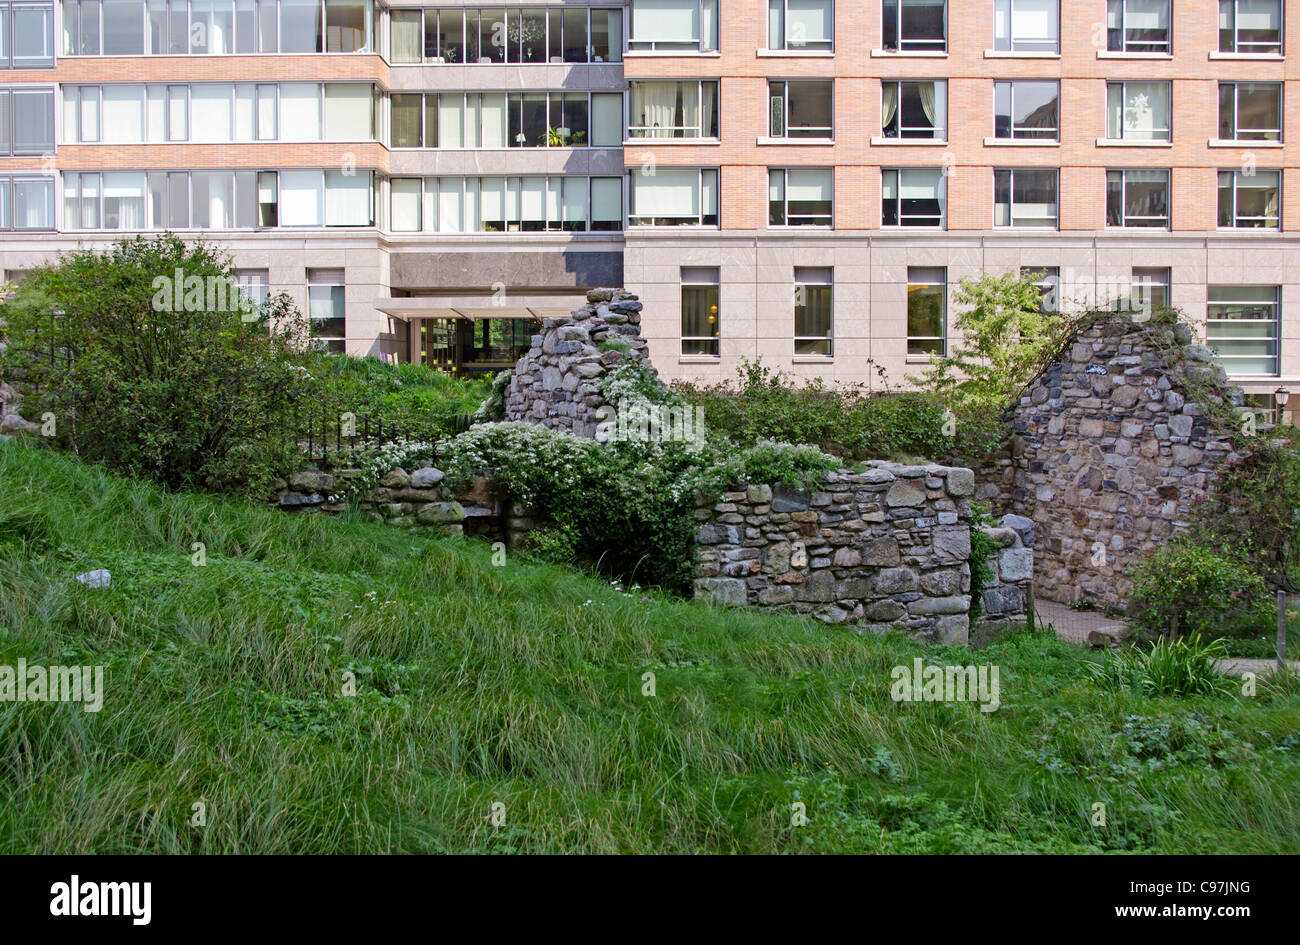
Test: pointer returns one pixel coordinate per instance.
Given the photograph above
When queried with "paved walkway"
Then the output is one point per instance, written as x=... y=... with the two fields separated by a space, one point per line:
x=1075 y=625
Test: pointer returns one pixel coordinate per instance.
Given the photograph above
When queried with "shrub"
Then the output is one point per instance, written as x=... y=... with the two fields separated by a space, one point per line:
x=1183 y=667
x=848 y=420
x=200 y=394
x=411 y=396
x=1006 y=338
x=1185 y=588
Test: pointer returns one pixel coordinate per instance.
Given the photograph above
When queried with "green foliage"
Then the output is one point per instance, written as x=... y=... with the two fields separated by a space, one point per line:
x=523 y=685
x=1251 y=512
x=1186 y=588
x=982 y=551
x=1006 y=339
x=201 y=396
x=412 y=396
x=627 y=504
x=1183 y=667
x=493 y=408
x=847 y=420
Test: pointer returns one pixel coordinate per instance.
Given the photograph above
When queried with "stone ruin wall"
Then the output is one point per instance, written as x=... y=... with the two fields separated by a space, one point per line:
x=885 y=549
x=557 y=383
x=1109 y=451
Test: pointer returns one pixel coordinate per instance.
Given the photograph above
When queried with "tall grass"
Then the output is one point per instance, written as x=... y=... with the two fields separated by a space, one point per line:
x=522 y=685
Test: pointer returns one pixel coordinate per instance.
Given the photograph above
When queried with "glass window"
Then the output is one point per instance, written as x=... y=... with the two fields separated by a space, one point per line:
x=800 y=109
x=123 y=112
x=33 y=203
x=123 y=25
x=300 y=26
x=1150 y=288
x=1137 y=111
x=301 y=198
x=1250 y=26
x=701 y=320
x=675 y=25
x=607 y=203
x=253 y=285
x=1026 y=25
x=813 y=311
x=327 y=308
x=404 y=216
x=32 y=35
x=348 y=199
x=1250 y=111
x=800 y=24
x=674 y=196
x=800 y=196
x=347 y=111
x=1024 y=197
x=1242 y=328
x=606 y=35
x=406 y=33
x=347 y=26
x=927 y=310
x=914 y=25
x=33 y=121
x=1026 y=109
x=1048 y=281
x=1250 y=200
x=1137 y=198
x=674 y=110
x=912 y=196
x=1138 y=26
x=914 y=109
x=211 y=111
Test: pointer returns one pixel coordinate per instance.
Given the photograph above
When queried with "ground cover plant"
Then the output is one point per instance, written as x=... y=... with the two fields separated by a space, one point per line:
x=525 y=686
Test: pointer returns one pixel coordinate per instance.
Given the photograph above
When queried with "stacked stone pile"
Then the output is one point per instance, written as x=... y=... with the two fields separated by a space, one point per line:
x=557 y=383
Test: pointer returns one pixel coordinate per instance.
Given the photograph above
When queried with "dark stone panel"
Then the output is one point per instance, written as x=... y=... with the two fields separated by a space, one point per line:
x=575 y=270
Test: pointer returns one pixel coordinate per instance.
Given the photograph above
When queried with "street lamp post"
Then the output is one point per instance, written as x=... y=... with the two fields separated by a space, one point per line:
x=1280 y=397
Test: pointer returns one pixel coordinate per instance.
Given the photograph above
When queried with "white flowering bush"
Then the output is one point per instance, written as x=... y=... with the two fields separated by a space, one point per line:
x=626 y=505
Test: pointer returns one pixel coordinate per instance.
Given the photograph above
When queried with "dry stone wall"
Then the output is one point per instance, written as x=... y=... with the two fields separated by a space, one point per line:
x=1110 y=450
x=887 y=549
x=557 y=383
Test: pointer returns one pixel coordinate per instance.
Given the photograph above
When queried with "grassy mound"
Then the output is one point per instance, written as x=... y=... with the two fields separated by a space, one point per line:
x=522 y=685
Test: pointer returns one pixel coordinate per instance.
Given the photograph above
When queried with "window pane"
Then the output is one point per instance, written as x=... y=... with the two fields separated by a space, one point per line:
x=345 y=26
x=300 y=26
x=123 y=27
x=700 y=319
x=33 y=121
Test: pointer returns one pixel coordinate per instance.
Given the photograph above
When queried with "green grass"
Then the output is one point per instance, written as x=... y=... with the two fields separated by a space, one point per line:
x=479 y=685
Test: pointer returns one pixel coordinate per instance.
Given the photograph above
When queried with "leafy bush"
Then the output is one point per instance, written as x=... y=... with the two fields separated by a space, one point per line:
x=413 y=396
x=201 y=396
x=627 y=505
x=982 y=550
x=848 y=420
x=1182 y=667
x=1006 y=339
x=1185 y=588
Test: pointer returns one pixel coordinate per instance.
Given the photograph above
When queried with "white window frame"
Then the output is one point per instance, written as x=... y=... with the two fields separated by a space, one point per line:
x=785 y=111
x=1163 y=222
x=1011 y=197
x=1237 y=176
x=1273 y=49
x=1122 y=85
x=1011 y=94
x=785 y=44
x=1023 y=45
x=1275 y=322
x=693 y=278
x=702 y=43
x=636 y=132
x=700 y=218
x=787 y=217
x=942 y=196
x=942 y=284
x=1121 y=7
x=811 y=273
x=939 y=131
x=1236 y=112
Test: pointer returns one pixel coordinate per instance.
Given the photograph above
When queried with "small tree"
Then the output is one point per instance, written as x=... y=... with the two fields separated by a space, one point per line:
x=1006 y=336
x=182 y=384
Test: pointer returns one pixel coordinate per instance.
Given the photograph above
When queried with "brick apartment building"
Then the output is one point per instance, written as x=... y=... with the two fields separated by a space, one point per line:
x=802 y=180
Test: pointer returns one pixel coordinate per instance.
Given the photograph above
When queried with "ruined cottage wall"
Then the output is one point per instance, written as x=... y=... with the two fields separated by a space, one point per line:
x=1109 y=452
x=557 y=383
x=887 y=548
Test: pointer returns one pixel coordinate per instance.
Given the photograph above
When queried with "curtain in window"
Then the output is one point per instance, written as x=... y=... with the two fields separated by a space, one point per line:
x=925 y=91
x=654 y=106
x=888 y=104
x=406 y=35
